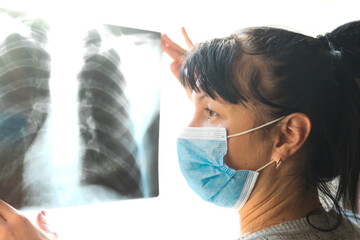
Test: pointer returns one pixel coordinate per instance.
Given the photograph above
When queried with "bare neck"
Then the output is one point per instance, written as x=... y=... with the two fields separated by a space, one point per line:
x=275 y=204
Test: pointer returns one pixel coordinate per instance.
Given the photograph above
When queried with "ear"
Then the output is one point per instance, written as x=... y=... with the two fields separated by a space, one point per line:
x=293 y=131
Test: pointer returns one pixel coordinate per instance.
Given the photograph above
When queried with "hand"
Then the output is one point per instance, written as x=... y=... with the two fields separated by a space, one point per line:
x=14 y=226
x=177 y=53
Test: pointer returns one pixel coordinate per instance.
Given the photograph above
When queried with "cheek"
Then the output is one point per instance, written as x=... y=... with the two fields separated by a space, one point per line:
x=247 y=154
x=238 y=154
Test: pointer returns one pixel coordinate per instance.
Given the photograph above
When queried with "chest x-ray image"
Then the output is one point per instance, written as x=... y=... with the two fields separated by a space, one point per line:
x=79 y=112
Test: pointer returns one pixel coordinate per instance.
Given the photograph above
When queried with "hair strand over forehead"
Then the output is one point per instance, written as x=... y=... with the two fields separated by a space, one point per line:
x=209 y=68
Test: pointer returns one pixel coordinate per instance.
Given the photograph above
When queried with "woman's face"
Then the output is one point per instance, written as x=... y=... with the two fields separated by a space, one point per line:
x=248 y=151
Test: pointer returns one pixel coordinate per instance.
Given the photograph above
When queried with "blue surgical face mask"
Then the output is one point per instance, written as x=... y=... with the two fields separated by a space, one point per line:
x=201 y=152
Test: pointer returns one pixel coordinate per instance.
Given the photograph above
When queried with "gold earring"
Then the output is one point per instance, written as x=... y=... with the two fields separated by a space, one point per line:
x=278 y=163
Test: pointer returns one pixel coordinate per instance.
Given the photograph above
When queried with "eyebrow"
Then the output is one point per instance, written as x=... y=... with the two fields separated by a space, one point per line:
x=201 y=97
x=204 y=95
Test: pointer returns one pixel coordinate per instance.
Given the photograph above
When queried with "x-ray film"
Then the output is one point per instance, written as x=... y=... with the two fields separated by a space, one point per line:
x=79 y=112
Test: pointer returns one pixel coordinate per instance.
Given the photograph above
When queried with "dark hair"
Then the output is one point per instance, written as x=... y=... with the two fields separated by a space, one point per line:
x=290 y=72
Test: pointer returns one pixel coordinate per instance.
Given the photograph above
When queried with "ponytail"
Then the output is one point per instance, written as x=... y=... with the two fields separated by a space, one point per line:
x=344 y=46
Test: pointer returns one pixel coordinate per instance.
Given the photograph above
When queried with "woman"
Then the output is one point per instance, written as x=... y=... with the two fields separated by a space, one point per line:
x=277 y=117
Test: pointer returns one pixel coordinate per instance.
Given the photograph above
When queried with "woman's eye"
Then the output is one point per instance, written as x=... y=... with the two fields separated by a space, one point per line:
x=211 y=113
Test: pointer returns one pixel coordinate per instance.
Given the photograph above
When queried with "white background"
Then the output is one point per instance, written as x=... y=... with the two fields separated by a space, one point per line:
x=177 y=213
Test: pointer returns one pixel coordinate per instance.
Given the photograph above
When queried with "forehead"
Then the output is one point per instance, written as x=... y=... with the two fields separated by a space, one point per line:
x=202 y=96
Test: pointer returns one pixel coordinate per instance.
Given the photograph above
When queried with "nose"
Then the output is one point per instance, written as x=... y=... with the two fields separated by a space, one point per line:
x=198 y=114
x=195 y=122
x=192 y=124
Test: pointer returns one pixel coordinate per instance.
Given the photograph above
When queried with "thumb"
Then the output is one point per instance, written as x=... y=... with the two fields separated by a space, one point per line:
x=175 y=68
x=44 y=225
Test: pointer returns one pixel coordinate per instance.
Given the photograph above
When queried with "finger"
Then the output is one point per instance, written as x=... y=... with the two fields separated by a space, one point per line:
x=170 y=44
x=6 y=211
x=175 y=68
x=41 y=221
x=186 y=37
x=44 y=225
x=173 y=54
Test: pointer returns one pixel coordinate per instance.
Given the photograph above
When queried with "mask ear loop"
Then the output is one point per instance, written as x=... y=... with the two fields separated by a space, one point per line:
x=258 y=170
x=278 y=163
x=261 y=126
